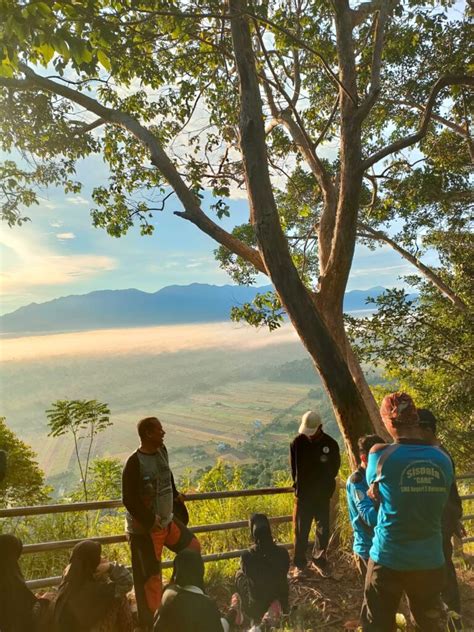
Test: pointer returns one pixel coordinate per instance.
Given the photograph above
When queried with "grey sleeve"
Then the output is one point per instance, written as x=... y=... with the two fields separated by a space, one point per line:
x=121 y=577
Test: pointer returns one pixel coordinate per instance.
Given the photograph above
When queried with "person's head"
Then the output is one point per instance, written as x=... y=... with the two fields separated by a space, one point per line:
x=311 y=424
x=188 y=569
x=10 y=551
x=400 y=416
x=364 y=444
x=151 y=432
x=84 y=560
x=260 y=530
x=16 y=600
x=428 y=424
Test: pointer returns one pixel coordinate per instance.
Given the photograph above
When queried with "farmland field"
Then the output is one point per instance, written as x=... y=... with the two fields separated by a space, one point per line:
x=222 y=388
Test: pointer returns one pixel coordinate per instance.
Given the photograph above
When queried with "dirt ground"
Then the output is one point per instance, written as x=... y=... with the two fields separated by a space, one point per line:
x=328 y=604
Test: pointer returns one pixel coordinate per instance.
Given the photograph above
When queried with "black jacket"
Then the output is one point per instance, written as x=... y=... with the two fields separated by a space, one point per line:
x=185 y=611
x=267 y=569
x=314 y=465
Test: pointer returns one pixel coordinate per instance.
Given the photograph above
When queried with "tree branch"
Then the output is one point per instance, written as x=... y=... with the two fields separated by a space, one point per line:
x=379 y=40
x=428 y=273
x=443 y=82
x=158 y=156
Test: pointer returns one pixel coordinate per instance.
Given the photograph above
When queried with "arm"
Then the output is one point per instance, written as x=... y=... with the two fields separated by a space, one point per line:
x=335 y=461
x=293 y=462
x=364 y=505
x=122 y=578
x=131 y=494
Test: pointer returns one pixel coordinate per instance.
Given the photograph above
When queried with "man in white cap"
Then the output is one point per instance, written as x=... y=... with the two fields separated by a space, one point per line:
x=315 y=462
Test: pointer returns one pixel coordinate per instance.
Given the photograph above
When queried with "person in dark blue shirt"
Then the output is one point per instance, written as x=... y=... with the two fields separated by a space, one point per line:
x=412 y=480
x=362 y=508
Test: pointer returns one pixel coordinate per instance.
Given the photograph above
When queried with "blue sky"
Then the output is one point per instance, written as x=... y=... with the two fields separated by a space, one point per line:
x=60 y=253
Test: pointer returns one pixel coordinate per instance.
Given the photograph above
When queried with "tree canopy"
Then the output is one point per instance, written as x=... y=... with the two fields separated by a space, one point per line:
x=23 y=483
x=341 y=120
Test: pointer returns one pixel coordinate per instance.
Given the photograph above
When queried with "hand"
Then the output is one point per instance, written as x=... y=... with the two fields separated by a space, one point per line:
x=157 y=524
x=181 y=498
x=374 y=493
x=460 y=530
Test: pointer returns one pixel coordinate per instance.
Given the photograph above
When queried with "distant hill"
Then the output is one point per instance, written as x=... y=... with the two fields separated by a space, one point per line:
x=175 y=304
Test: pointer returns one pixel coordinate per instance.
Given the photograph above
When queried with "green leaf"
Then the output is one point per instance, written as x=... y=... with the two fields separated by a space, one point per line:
x=46 y=51
x=104 y=60
x=60 y=46
x=43 y=8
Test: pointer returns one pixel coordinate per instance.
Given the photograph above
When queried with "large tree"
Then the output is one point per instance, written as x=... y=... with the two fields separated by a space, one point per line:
x=274 y=82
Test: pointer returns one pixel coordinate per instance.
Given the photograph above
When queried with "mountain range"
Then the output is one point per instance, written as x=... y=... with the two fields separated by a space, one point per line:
x=174 y=304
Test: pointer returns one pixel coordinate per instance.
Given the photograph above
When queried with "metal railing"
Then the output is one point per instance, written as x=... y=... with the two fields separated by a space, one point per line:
x=15 y=512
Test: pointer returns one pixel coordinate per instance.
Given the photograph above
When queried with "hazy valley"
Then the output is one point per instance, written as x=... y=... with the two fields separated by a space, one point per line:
x=221 y=389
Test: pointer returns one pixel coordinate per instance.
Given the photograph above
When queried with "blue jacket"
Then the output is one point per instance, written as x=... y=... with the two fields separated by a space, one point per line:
x=362 y=512
x=414 y=480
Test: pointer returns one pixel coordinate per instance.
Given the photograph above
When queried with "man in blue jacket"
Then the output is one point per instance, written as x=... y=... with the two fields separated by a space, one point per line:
x=362 y=509
x=412 y=480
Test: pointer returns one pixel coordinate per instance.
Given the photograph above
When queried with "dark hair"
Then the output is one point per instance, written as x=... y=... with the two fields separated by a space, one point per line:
x=188 y=569
x=368 y=441
x=261 y=531
x=84 y=560
x=144 y=426
x=427 y=419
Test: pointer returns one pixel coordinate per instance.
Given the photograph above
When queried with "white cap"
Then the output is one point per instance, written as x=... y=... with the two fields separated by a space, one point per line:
x=310 y=422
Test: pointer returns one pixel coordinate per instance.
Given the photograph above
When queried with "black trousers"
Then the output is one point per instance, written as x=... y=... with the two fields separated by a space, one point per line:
x=144 y=566
x=253 y=607
x=384 y=588
x=305 y=511
x=450 y=591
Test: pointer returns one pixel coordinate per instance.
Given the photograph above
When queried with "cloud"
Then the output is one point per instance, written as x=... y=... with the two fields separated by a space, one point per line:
x=77 y=199
x=55 y=270
x=63 y=236
x=403 y=268
x=29 y=264
x=48 y=204
x=56 y=223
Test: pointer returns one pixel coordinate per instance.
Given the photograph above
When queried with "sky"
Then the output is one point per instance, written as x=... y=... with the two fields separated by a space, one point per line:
x=59 y=253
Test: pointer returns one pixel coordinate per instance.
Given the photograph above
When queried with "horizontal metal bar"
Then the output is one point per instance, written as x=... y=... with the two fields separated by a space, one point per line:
x=461 y=477
x=467 y=540
x=115 y=539
x=467 y=497
x=468 y=517
x=211 y=557
x=36 y=510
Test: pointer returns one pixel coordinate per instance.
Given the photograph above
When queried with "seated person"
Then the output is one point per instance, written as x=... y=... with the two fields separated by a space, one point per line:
x=18 y=605
x=262 y=582
x=92 y=593
x=184 y=605
x=362 y=509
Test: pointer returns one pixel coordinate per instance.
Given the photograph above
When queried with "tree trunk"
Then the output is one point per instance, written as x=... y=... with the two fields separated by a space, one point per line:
x=351 y=413
x=336 y=324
